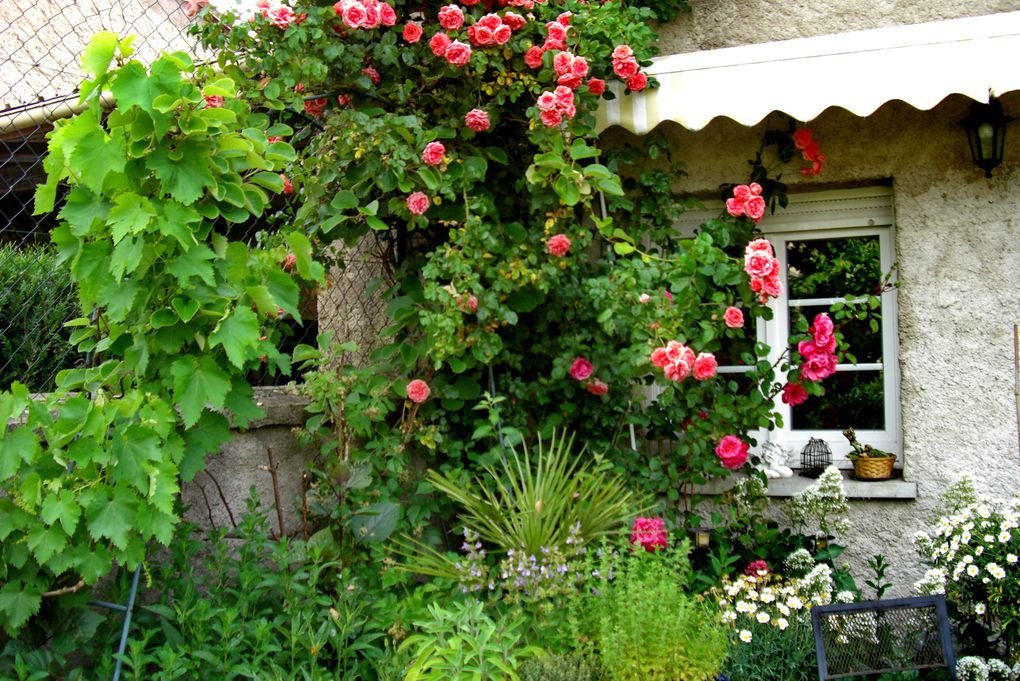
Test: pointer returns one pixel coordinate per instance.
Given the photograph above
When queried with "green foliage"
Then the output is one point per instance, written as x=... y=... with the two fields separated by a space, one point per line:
x=36 y=298
x=560 y=668
x=91 y=473
x=642 y=624
x=773 y=653
x=463 y=642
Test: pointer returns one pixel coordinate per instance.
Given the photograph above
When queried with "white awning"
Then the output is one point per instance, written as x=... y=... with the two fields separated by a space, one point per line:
x=858 y=71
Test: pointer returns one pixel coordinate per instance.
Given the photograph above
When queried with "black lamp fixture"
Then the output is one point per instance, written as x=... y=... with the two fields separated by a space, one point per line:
x=986 y=133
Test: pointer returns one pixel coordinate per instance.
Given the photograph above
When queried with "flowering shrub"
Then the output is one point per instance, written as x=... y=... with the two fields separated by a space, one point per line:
x=650 y=534
x=973 y=551
x=822 y=507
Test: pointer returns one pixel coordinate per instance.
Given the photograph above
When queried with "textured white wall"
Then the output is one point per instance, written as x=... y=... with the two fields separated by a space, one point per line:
x=958 y=244
x=721 y=23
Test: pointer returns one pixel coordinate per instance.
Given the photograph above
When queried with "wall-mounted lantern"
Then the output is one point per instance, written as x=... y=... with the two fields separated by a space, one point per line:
x=986 y=133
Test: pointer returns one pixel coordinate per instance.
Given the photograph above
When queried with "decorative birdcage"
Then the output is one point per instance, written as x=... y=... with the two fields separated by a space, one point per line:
x=815 y=458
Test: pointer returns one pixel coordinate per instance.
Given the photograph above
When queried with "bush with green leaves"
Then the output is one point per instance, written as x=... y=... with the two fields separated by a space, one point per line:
x=463 y=642
x=638 y=620
x=563 y=667
x=36 y=297
x=182 y=312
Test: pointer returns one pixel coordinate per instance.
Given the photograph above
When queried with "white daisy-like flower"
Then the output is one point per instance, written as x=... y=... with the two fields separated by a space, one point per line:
x=795 y=603
x=972 y=570
x=781 y=623
x=979 y=550
x=745 y=635
x=762 y=617
x=783 y=610
x=743 y=606
x=968 y=559
x=729 y=616
x=768 y=597
x=1011 y=558
x=979 y=608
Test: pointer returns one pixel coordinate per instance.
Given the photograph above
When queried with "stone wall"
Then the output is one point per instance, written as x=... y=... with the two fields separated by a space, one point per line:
x=958 y=246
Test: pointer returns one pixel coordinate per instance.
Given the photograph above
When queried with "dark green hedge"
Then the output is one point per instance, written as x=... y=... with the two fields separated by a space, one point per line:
x=36 y=298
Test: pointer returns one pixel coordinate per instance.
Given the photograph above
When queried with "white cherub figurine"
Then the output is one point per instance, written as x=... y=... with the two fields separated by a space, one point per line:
x=773 y=462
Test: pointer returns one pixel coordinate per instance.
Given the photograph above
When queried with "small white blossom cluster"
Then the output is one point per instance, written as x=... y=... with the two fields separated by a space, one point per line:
x=972 y=668
x=973 y=551
x=821 y=506
x=770 y=600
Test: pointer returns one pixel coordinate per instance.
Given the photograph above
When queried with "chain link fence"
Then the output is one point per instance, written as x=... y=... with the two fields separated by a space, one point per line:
x=41 y=42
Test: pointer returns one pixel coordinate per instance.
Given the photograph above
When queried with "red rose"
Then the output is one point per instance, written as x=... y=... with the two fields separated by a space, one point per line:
x=412 y=32
x=597 y=387
x=315 y=107
x=596 y=86
x=558 y=245
x=650 y=534
x=794 y=394
x=802 y=138
x=581 y=369
x=213 y=101
x=288 y=186
x=637 y=82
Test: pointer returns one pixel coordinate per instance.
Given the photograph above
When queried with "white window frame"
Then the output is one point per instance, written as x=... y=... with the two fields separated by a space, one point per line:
x=866 y=211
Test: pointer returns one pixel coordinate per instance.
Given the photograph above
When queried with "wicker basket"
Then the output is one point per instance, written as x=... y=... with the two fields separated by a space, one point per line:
x=868 y=468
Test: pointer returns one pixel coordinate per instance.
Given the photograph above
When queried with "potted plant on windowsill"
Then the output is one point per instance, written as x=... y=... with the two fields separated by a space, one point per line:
x=869 y=463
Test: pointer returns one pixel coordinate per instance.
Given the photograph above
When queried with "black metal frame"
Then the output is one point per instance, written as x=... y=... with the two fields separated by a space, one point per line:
x=937 y=601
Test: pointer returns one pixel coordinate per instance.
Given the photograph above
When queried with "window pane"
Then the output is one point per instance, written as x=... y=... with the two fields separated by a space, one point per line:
x=865 y=345
x=852 y=399
x=733 y=351
x=829 y=268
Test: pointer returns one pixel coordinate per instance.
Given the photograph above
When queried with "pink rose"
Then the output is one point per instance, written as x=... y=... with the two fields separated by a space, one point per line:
x=354 y=15
x=571 y=81
x=735 y=207
x=758 y=568
x=490 y=21
x=759 y=245
x=558 y=245
x=412 y=32
x=514 y=21
x=637 y=82
x=794 y=394
x=451 y=17
x=564 y=18
x=596 y=86
x=439 y=44
x=289 y=261
x=533 y=57
x=650 y=534
x=622 y=52
x=562 y=62
x=458 y=53
x=281 y=16
x=502 y=35
x=564 y=97
x=551 y=118
x=480 y=35
x=372 y=74
x=579 y=67
x=659 y=358
x=433 y=153
x=733 y=317
x=418 y=391
x=547 y=101
x=705 y=366
x=677 y=370
x=678 y=352
x=772 y=287
x=822 y=329
x=597 y=387
x=214 y=101
x=387 y=15
x=477 y=120
x=469 y=304
x=581 y=369
x=625 y=68
x=191 y=7
x=417 y=203
x=288 y=186
x=644 y=298
x=760 y=264
x=755 y=206
x=732 y=452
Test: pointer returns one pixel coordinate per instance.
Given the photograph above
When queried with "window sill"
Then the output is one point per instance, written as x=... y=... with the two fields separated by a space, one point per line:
x=890 y=490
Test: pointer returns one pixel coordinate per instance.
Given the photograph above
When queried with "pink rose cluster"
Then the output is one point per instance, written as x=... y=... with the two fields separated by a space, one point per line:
x=492 y=29
x=282 y=16
x=418 y=391
x=555 y=39
x=747 y=200
x=732 y=452
x=455 y=52
x=558 y=245
x=626 y=67
x=365 y=13
x=819 y=353
x=756 y=568
x=650 y=534
x=761 y=265
x=678 y=361
x=570 y=69
x=554 y=106
x=805 y=142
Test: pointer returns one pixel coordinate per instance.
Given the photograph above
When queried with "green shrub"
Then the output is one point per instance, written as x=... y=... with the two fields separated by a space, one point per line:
x=36 y=297
x=560 y=668
x=643 y=624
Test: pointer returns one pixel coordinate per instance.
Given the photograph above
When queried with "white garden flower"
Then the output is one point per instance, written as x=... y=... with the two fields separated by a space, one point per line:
x=745 y=635
x=972 y=570
x=762 y=617
x=979 y=608
x=781 y=623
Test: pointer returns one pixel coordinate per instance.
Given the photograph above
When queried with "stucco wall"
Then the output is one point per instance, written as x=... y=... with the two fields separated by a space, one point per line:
x=958 y=245
x=714 y=23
